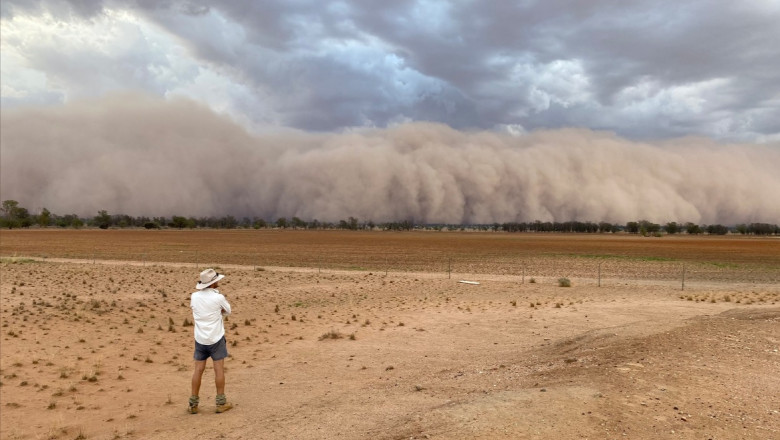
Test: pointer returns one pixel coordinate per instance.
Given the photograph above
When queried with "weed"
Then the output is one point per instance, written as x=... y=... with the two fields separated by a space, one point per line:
x=564 y=282
x=332 y=334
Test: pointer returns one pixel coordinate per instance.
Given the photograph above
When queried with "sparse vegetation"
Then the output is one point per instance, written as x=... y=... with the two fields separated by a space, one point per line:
x=332 y=334
x=388 y=311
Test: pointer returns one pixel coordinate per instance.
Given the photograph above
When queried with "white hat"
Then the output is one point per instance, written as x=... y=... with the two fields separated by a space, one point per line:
x=208 y=277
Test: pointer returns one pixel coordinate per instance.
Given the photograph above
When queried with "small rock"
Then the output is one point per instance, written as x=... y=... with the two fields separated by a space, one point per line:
x=544 y=390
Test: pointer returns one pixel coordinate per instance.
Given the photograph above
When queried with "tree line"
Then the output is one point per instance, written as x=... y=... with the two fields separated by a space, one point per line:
x=13 y=215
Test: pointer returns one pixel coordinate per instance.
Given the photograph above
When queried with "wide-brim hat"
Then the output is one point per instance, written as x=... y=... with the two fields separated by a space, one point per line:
x=208 y=277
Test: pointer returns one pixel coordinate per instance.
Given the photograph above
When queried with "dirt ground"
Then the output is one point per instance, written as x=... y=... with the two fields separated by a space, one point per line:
x=101 y=349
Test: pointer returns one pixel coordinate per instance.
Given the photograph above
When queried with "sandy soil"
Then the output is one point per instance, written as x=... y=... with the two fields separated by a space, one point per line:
x=101 y=351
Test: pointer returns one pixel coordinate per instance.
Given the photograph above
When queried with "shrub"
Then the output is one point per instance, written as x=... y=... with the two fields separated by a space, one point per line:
x=333 y=334
x=564 y=282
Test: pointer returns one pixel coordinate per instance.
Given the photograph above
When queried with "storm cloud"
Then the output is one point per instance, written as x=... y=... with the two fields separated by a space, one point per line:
x=644 y=69
x=144 y=155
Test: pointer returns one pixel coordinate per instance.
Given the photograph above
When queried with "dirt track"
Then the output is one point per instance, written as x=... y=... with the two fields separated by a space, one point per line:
x=100 y=349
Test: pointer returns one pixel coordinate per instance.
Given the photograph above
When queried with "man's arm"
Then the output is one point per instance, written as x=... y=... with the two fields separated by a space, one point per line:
x=225 y=306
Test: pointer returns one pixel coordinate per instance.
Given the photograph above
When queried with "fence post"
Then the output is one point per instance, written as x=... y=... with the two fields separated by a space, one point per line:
x=599 y=274
x=523 y=282
x=683 y=277
x=449 y=268
x=386 y=265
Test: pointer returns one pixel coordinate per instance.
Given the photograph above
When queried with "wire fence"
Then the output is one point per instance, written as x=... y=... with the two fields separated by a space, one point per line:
x=582 y=270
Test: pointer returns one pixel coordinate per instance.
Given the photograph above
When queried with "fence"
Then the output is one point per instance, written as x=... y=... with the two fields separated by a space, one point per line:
x=581 y=270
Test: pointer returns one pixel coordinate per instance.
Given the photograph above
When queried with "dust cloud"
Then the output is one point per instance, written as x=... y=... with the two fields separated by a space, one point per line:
x=145 y=156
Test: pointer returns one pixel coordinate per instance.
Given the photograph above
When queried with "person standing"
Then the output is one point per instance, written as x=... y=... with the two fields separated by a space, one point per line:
x=208 y=308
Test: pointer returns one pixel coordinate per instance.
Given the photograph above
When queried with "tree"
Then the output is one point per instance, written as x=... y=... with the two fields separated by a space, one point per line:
x=44 y=219
x=314 y=224
x=672 y=228
x=632 y=227
x=259 y=223
x=178 y=222
x=298 y=223
x=228 y=222
x=717 y=230
x=10 y=210
x=692 y=228
x=647 y=228
x=605 y=227
x=281 y=222
x=102 y=220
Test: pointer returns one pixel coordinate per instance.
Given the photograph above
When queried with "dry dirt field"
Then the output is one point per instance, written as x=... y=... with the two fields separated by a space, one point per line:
x=363 y=335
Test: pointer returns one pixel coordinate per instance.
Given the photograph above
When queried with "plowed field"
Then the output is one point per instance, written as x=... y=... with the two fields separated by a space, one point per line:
x=352 y=335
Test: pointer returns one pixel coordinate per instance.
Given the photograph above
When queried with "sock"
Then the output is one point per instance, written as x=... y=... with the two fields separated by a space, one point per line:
x=221 y=399
x=194 y=400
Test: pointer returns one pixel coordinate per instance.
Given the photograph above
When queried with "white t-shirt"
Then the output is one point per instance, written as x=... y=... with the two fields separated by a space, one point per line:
x=208 y=306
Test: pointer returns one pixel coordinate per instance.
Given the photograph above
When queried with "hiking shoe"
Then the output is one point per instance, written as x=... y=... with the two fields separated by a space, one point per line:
x=223 y=408
x=192 y=409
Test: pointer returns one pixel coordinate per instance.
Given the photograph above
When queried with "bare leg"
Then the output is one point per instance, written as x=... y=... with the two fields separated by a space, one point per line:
x=219 y=376
x=197 y=375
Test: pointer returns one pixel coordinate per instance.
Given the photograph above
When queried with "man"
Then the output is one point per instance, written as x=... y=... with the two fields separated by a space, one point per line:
x=208 y=307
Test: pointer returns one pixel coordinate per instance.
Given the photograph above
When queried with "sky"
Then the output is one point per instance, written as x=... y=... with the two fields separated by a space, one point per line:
x=316 y=75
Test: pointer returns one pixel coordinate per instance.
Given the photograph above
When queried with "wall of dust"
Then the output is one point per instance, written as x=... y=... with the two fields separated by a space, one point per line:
x=145 y=156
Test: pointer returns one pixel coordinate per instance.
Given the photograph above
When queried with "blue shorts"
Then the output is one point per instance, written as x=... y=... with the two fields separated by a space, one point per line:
x=216 y=351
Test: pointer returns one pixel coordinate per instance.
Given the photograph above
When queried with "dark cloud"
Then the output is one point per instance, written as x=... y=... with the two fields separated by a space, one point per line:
x=645 y=69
